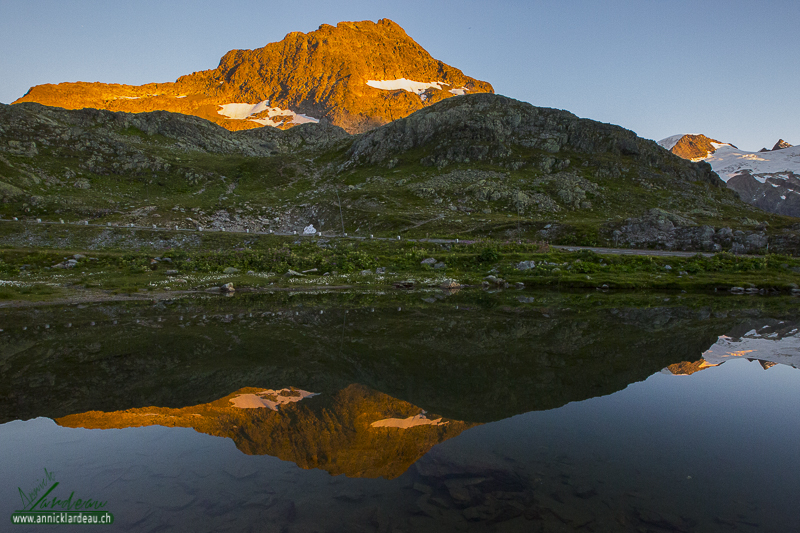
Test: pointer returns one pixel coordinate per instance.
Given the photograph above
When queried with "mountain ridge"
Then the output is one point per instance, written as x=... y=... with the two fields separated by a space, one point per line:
x=480 y=165
x=321 y=75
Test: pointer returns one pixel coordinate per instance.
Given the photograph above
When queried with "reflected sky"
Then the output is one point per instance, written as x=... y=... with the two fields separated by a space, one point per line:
x=714 y=448
x=582 y=430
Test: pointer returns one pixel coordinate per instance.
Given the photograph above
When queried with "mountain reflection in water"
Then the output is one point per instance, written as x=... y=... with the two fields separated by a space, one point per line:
x=770 y=342
x=341 y=434
x=555 y=412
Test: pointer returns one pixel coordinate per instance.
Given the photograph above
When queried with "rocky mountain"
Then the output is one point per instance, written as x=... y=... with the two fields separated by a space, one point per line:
x=356 y=75
x=692 y=147
x=477 y=165
x=780 y=145
x=767 y=179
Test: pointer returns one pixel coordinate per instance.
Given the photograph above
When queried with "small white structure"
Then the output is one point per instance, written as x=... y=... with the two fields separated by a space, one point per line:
x=309 y=230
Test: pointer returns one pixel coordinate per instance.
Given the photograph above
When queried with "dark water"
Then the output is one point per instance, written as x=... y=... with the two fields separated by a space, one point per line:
x=557 y=412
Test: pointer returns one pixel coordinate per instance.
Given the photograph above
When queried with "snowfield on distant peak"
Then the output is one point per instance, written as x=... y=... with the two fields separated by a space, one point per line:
x=728 y=161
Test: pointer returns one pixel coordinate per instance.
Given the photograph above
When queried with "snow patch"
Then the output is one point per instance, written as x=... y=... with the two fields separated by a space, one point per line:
x=405 y=423
x=264 y=398
x=717 y=146
x=245 y=111
x=242 y=111
x=416 y=87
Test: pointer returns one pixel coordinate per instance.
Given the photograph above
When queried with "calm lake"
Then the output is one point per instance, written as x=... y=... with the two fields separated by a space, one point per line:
x=405 y=411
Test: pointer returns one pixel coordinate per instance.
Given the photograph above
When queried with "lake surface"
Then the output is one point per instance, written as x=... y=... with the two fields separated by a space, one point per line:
x=408 y=411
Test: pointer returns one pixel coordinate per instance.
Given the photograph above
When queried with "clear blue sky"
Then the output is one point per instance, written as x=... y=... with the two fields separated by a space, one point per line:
x=729 y=69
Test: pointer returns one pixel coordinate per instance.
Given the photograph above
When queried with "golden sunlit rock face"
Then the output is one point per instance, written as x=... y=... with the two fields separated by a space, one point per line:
x=348 y=74
x=336 y=433
x=687 y=368
x=695 y=147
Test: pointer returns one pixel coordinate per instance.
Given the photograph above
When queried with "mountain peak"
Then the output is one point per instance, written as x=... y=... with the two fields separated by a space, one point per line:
x=357 y=75
x=694 y=147
x=781 y=144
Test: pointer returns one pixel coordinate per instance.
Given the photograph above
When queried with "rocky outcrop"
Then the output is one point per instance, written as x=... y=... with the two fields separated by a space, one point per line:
x=106 y=131
x=668 y=231
x=779 y=195
x=320 y=75
x=780 y=145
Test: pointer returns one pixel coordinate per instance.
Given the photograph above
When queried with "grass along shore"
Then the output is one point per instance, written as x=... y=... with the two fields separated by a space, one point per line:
x=44 y=264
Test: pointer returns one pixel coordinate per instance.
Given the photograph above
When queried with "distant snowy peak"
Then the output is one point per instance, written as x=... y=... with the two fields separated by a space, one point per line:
x=692 y=146
x=767 y=179
x=730 y=161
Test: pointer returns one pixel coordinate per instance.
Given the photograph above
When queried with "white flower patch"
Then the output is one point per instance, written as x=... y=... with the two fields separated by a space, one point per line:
x=10 y=283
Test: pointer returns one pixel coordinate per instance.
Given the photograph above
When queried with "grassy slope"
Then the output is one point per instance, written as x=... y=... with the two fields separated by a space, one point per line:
x=375 y=200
